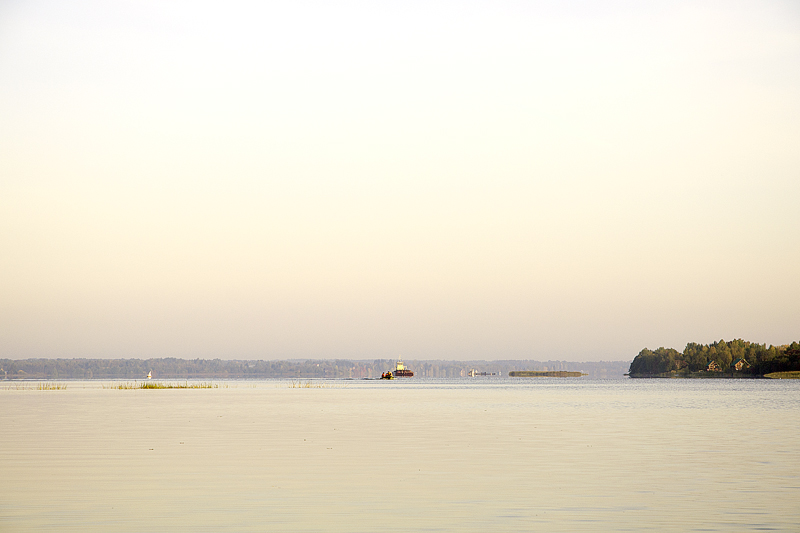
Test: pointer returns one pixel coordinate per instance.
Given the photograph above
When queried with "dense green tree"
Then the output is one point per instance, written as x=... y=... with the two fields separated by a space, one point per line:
x=722 y=354
x=655 y=362
x=695 y=356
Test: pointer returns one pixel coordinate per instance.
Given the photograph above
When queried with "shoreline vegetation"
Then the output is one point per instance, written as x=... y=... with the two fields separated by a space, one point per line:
x=783 y=375
x=722 y=359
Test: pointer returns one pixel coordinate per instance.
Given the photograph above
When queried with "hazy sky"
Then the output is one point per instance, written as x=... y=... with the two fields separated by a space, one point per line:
x=458 y=180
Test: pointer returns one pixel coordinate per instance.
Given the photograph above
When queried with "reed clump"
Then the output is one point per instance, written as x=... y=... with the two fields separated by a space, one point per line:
x=308 y=384
x=161 y=385
x=37 y=386
x=51 y=386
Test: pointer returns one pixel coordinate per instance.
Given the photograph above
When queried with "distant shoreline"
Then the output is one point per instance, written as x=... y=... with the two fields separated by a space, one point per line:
x=544 y=374
x=174 y=368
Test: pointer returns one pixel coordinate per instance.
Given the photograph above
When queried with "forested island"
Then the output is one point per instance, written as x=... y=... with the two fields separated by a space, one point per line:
x=736 y=358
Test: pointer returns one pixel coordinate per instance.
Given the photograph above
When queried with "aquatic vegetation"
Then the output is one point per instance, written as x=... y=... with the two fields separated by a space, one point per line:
x=36 y=386
x=162 y=385
x=51 y=386
x=784 y=375
x=308 y=384
x=185 y=385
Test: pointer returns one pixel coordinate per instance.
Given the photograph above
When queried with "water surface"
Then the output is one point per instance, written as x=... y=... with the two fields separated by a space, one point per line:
x=407 y=455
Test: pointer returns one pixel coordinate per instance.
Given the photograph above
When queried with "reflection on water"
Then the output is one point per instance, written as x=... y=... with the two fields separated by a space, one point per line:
x=415 y=455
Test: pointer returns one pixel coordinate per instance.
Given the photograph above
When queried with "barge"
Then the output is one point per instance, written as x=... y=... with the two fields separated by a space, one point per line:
x=400 y=371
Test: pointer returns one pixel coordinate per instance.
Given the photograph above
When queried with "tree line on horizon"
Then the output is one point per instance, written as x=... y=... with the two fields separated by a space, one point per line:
x=174 y=368
x=758 y=358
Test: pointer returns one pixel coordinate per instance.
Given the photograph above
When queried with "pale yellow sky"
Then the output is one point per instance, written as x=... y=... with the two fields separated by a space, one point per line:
x=442 y=180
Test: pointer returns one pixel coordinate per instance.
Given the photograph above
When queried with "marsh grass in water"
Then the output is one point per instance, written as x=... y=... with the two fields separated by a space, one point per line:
x=162 y=385
x=308 y=384
x=37 y=386
x=792 y=374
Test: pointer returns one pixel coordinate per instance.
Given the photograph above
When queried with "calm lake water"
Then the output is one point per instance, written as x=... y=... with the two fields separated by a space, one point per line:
x=407 y=455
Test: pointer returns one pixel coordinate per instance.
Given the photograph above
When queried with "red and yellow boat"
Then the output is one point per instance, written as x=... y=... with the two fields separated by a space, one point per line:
x=401 y=371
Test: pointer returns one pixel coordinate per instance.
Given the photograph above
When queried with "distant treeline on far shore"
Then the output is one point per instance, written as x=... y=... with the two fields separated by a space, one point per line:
x=733 y=358
x=173 y=368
